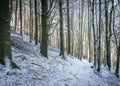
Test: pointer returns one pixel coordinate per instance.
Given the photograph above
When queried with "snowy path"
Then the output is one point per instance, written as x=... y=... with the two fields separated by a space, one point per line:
x=37 y=70
x=80 y=73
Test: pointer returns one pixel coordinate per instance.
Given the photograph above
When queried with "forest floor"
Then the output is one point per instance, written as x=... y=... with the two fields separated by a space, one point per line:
x=36 y=70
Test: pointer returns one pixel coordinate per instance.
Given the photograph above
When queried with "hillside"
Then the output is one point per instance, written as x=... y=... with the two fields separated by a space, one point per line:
x=36 y=70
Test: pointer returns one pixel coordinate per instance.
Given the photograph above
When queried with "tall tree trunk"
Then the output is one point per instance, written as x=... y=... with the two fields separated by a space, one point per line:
x=99 y=39
x=11 y=9
x=89 y=32
x=107 y=37
x=118 y=61
x=68 y=27
x=94 y=34
x=21 y=32
x=79 y=40
x=110 y=33
x=5 y=46
x=30 y=21
x=16 y=9
x=72 y=30
x=24 y=19
x=44 y=45
x=36 y=24
x=117 y=41
x=61 y=30
x=39 y=22
x=81 y=31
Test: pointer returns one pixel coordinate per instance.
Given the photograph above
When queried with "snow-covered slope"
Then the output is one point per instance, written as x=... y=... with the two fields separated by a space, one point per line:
x=37 y=70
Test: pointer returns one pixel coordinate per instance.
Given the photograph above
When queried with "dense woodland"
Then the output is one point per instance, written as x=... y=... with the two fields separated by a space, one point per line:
x=86 y=29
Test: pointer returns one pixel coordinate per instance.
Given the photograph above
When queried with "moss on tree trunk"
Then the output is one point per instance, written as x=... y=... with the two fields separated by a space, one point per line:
x=5 y=46
x=44 y=45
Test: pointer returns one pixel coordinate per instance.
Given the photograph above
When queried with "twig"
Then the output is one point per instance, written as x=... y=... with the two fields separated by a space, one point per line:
x=38 y=65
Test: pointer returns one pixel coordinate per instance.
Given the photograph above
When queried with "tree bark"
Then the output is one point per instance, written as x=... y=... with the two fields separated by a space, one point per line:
x=16 y=9
x=89 y=32
x=107 y=37
x=5 y=46
x=118 y=61
x=68 y=27
x=99 y=38
x=30 y=22
x=94 y=34
x=44 y=45
x=21 y=32
x=36 y=24
x=61 y=30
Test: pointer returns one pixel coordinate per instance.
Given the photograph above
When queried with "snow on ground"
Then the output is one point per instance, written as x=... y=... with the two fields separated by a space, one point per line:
x=37 y=70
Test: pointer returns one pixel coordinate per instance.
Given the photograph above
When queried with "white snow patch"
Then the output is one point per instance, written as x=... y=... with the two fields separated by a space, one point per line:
x=7 y=64
x=37 y=70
